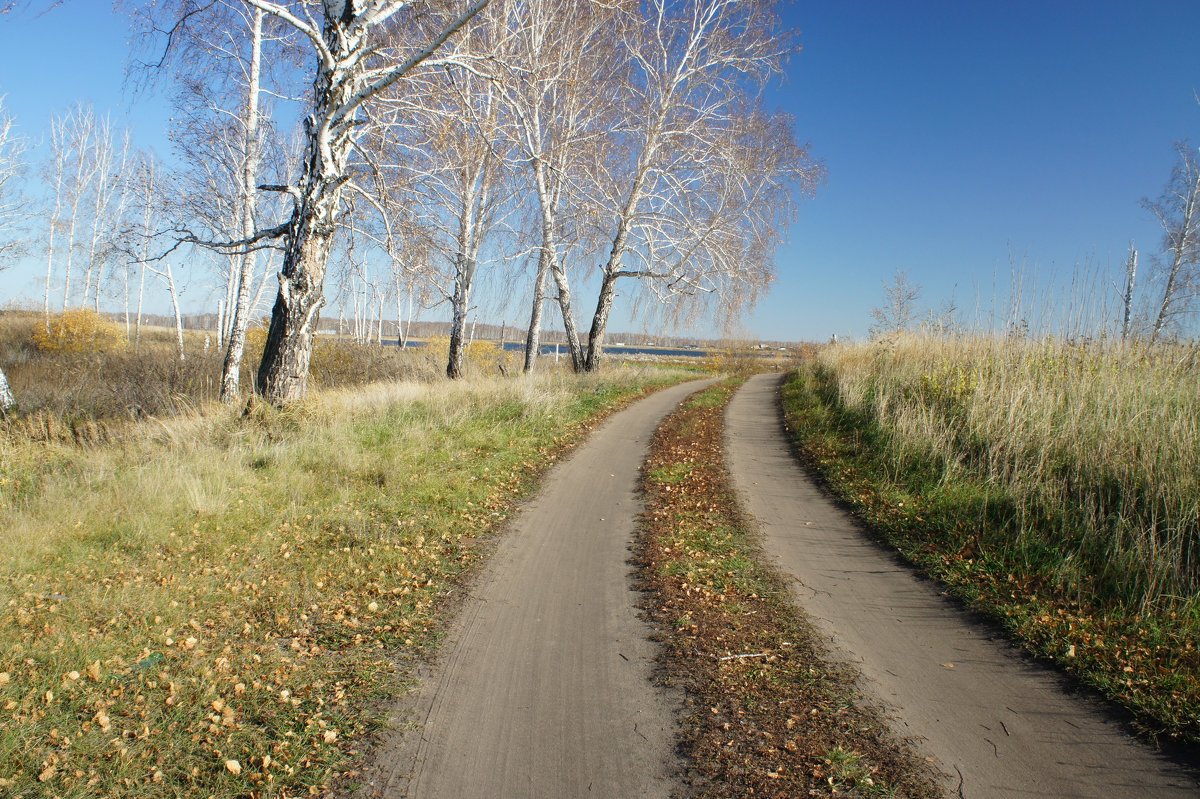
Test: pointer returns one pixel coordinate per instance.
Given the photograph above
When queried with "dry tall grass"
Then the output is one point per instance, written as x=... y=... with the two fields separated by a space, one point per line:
x=77 y=386
x=1094 y=447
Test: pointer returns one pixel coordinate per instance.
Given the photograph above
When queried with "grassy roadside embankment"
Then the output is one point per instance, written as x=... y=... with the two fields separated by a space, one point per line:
x=1054 y=487
x=215 y=605
x=768 y=712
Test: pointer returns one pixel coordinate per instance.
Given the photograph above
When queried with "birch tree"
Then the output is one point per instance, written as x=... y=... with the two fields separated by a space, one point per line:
x=73 y=142
x=56 y=175
x=107 y=206
x=560 y=77
x=1131 y=268
x=1178 y=211
x=898 y=311
x=217 y=51
x=149 y=202
x=445 y=137
x=12 y=204
x=232 y=367
x=696 y=67
x=350 y=70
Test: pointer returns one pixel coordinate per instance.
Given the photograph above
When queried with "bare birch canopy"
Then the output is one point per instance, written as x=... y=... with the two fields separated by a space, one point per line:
x=699 y=203
x=455 y=142
x=1178 y=211
x=12 y=151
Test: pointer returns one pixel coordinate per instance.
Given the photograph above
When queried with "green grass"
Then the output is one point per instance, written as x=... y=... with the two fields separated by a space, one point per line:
x=1054 y=486
x=218 y=605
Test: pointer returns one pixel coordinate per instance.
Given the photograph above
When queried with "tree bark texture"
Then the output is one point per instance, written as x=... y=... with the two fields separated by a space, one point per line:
x=604 y=303
x=568 y=317
x=461 y=302
x=533 y=337
x=283 y=373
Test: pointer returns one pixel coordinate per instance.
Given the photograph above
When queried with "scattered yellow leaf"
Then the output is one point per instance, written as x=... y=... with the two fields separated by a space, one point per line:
x=330 y=736
x=234 y=767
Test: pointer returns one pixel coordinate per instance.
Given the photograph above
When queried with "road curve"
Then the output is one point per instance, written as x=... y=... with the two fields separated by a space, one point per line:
x=544 y=687
x=999 y=725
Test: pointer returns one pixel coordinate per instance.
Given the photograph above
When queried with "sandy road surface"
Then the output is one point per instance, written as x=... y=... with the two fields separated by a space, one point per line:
x=545 y=686
x=999 y=725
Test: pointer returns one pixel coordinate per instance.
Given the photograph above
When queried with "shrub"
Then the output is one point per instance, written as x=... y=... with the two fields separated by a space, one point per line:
x=488 y=354
x=79 y=330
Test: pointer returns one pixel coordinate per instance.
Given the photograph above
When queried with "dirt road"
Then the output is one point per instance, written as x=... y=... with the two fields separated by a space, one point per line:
x=999 y=725
x=544 y=688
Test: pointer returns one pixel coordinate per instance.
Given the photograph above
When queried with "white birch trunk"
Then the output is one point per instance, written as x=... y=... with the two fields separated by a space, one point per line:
x=58 y=144
x=178 y=317
x=137 y=336
x=7 y=400
x=341 y=84
x=1130 y=280
x=100 y=200
x=232 y=368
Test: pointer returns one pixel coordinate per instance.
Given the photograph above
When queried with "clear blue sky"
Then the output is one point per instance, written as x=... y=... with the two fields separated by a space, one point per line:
x=959 y=137
x=962 y=137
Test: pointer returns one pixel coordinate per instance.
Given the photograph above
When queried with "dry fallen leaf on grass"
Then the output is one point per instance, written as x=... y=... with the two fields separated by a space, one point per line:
x=234 y=767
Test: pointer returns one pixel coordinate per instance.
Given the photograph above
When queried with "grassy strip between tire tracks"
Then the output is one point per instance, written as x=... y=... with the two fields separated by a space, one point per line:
x=1144 y=658
x=768 y=712
x=220 y=606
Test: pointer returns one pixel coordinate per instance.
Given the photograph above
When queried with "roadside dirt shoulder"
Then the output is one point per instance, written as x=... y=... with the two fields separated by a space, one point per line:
x=997 y=723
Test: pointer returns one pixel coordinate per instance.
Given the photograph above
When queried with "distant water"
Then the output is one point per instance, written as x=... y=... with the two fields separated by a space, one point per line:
x=550 y=349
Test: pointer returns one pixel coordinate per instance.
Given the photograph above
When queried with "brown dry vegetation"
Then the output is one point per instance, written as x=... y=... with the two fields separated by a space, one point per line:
x=769 y=714
x=83 y=386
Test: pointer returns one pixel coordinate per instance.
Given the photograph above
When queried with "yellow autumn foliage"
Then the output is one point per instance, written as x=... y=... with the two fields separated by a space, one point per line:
x=79 y=330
